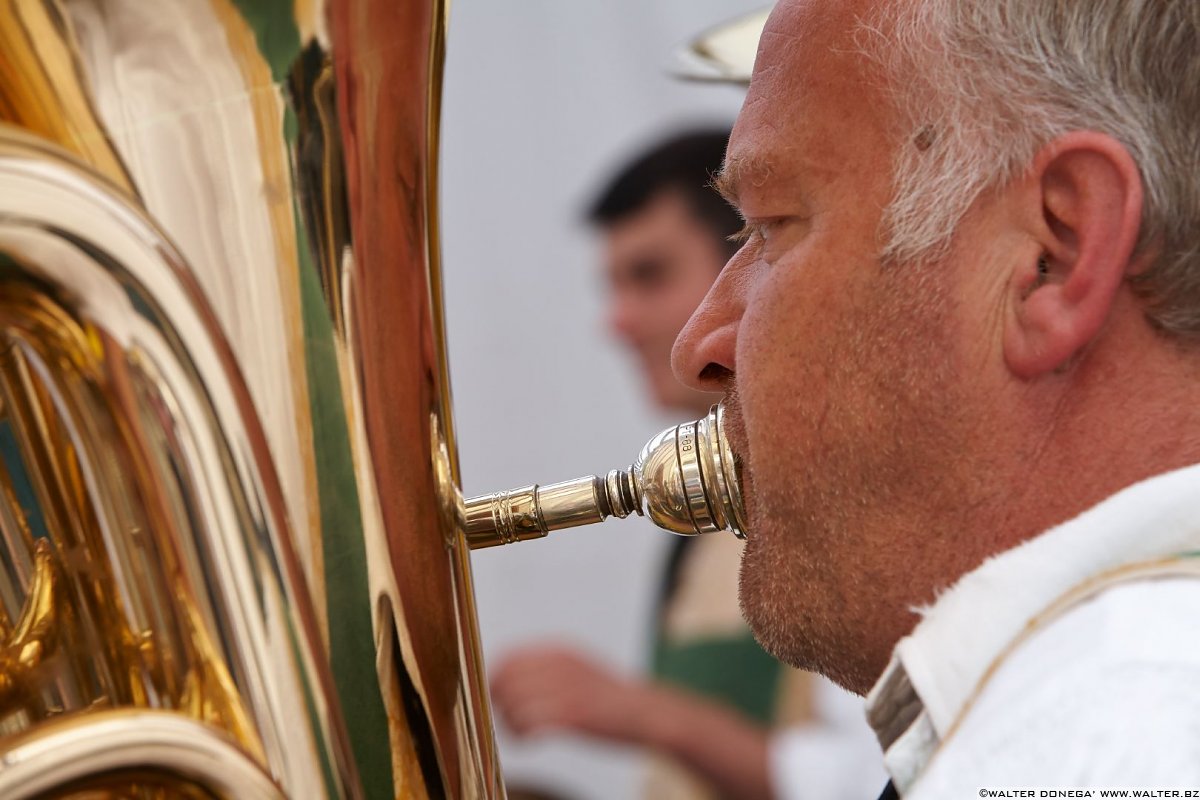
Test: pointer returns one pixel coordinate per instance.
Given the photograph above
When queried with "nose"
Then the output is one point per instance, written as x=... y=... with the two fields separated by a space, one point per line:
x=704 y=356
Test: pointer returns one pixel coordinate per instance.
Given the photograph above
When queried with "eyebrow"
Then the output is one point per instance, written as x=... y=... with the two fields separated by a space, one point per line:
x=738 y=171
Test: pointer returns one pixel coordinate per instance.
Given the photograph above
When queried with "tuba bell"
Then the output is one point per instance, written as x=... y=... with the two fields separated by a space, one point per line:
x=233 y=547
x=230 y=560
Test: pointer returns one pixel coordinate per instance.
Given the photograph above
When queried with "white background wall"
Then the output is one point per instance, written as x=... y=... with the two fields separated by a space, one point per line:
x=543 y=99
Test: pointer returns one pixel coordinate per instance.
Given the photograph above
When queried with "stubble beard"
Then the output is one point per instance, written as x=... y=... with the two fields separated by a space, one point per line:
x=844 y=526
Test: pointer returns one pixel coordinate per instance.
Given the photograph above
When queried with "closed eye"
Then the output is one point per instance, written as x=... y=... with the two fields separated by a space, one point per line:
x=743 y=235
x=762 y=230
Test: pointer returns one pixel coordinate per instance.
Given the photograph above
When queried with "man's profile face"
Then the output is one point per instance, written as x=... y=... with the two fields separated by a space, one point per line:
x=849 y=406
x=659 y=263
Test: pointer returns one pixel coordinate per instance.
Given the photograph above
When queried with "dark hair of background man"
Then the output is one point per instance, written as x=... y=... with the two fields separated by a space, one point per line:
x=685 y=163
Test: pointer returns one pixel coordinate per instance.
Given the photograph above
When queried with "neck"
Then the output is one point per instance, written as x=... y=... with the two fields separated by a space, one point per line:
x=1126 y=410
x=1048 y=450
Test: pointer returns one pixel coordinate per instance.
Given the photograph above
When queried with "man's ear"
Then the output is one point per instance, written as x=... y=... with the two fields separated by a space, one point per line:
x=1088 y=194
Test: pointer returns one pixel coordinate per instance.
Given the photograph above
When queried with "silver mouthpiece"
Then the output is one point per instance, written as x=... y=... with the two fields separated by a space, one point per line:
x=684 y=480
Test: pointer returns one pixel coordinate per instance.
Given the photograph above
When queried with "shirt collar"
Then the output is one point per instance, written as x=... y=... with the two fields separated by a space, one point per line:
x=935 y=669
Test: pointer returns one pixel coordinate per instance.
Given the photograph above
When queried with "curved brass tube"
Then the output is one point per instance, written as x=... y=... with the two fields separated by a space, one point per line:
x=74 y=752
x=109 y=342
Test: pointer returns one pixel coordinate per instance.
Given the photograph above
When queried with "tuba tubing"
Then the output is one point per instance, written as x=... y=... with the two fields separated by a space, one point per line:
x=67 y=753
x=103 y=272
x=228 y=473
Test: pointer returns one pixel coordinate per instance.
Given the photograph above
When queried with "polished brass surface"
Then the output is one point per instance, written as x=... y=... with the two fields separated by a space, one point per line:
x=685 y=481
x=389 y=129
x=179 y=588
x=42 y=90
x=228 y=475
x=32 y=639
x=103 y=754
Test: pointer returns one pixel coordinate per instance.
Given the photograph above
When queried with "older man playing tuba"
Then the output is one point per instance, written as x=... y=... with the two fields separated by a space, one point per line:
x=959 y=346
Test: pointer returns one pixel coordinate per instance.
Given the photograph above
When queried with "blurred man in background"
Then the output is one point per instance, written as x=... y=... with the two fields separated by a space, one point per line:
x=714 y=696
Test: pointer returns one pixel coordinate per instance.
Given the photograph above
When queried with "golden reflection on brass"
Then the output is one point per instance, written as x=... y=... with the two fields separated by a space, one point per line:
x=229 y=504
x=685 y=480
x=396 y=337
x=27 y=644
x=41 y=89
x=125 y=753
x=87 y=416
x=154 y=652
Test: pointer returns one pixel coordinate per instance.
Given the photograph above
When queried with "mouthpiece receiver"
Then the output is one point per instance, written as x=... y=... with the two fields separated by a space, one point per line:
x=685 y=481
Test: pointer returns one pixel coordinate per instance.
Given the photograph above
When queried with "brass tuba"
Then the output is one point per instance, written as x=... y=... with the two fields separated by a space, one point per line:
x=233 y=548
x=230 y=560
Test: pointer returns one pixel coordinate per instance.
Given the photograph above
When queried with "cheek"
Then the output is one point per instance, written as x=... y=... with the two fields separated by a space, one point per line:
x=782 y=331
x=796 y=355
x=771 y=367
x=806 y=290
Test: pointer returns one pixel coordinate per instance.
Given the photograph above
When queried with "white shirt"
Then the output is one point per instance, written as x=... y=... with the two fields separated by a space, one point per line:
x=1107 y=695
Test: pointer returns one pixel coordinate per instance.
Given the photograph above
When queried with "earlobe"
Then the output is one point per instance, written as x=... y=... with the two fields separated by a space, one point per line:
x=1089 y=205
x=1045 y=333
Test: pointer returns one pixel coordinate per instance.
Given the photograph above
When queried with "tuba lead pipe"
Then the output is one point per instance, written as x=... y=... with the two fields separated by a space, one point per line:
x=685 y=480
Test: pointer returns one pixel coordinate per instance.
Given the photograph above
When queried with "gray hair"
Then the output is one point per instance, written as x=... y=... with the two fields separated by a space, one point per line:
x=985 y=84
